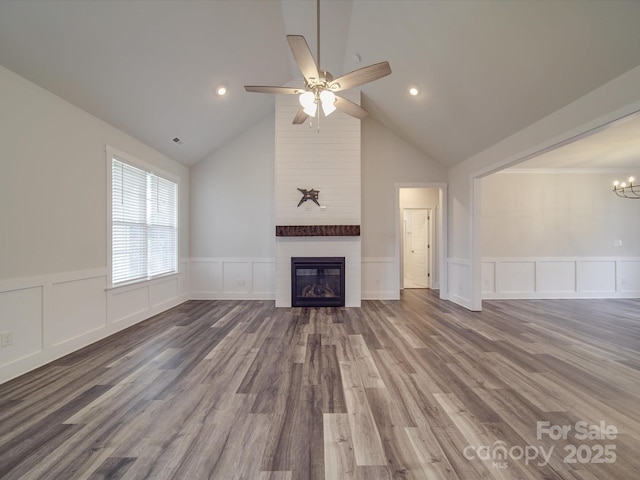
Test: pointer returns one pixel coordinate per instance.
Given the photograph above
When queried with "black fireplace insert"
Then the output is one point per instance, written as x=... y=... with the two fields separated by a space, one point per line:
x=317 y=282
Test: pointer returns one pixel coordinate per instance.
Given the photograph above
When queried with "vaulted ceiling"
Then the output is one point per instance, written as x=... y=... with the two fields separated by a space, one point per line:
x=485 y=69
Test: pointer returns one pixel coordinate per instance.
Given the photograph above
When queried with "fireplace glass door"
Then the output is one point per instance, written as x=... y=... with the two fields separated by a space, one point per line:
x=317 y=282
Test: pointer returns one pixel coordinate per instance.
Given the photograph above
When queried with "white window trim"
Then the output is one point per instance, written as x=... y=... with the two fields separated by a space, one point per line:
x=113 y=152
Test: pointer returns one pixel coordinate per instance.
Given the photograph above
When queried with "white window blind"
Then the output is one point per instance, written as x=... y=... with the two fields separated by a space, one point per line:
x=144 y=224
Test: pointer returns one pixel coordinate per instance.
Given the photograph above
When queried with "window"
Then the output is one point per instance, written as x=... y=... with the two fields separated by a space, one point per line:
x=144 y=226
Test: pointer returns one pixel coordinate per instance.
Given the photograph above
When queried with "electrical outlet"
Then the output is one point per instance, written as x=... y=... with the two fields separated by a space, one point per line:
x=6 y=339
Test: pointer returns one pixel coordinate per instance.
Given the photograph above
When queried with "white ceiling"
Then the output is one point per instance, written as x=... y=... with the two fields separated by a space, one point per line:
x=486 y=69
x=611 y=148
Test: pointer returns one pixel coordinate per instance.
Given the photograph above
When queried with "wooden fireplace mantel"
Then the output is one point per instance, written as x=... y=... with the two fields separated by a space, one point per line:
x=317 y=230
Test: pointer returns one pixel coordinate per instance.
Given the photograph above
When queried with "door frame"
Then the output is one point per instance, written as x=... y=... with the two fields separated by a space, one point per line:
x=441 y=222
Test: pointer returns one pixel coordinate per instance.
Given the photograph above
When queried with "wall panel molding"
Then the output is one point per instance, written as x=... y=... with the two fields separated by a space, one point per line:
x=380 y=278
x=560 y=277
x=459 y=287
x=232 y=278
x=54 y=315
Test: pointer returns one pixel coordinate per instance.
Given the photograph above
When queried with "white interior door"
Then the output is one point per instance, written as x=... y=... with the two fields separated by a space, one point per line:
x=416 y=248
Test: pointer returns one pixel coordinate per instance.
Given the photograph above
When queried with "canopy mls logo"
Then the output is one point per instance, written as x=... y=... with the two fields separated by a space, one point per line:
x=499 y=453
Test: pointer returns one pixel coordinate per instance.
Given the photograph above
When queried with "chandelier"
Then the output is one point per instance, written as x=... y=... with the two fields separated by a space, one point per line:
x=626 y=190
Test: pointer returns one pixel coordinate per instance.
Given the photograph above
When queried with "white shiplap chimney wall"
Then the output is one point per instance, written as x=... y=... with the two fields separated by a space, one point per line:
x=328 y=161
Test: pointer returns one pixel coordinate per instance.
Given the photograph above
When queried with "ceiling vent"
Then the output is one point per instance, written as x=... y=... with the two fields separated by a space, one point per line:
x=178 y=141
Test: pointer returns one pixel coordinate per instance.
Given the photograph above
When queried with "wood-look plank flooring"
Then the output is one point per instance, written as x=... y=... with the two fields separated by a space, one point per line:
x=412 y=389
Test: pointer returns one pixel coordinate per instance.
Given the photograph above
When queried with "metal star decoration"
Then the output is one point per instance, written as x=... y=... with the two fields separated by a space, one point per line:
x=309 y=195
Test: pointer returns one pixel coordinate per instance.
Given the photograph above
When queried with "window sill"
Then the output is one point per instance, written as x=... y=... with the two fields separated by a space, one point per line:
x=132 y=285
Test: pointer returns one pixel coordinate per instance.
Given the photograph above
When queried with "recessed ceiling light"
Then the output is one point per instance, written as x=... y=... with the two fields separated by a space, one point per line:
x=221 y=90
x=413 y=91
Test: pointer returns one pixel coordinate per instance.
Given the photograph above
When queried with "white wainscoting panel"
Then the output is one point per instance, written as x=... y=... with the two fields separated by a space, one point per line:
x=130 y=304
x=127 y=302
x=79 y=307
x=628 y=276
x=206 y=277
x=560 y=277
x=54 y=315
x=162 y=292
x=380 y=278
x=21 y=313
x=488 y=277
x=458 y=276
x=236 y=277
x=232 y=278
x=516 y=276
x=556 y=276
x=264 y=277
x=597 y=276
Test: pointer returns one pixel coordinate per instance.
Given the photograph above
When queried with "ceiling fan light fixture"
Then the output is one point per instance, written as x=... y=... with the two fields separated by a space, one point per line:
x=310 y=110
x=308 y=102
x=328 y=100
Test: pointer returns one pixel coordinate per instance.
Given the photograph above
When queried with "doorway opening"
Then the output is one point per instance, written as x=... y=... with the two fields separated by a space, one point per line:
x=419 y=208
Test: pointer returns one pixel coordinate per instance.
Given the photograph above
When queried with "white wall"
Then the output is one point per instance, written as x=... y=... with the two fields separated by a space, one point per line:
x=419 y=198
x=232 y=218
x=223 y=266
x=555 y=234
x=387 y=160
x=53 y=240
x=613 y=100
x=555 y=214
x=232 y=197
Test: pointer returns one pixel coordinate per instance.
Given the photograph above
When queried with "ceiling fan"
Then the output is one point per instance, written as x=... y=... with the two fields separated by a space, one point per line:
x=319 y=85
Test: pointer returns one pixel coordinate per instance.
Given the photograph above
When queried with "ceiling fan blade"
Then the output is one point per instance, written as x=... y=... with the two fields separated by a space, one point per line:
x=360 y=76
x=353 y=109
x=304 y=58
x=265 y=89
x=300 y=117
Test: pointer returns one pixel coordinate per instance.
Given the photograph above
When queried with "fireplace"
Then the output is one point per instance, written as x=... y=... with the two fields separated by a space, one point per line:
x=317 y=282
